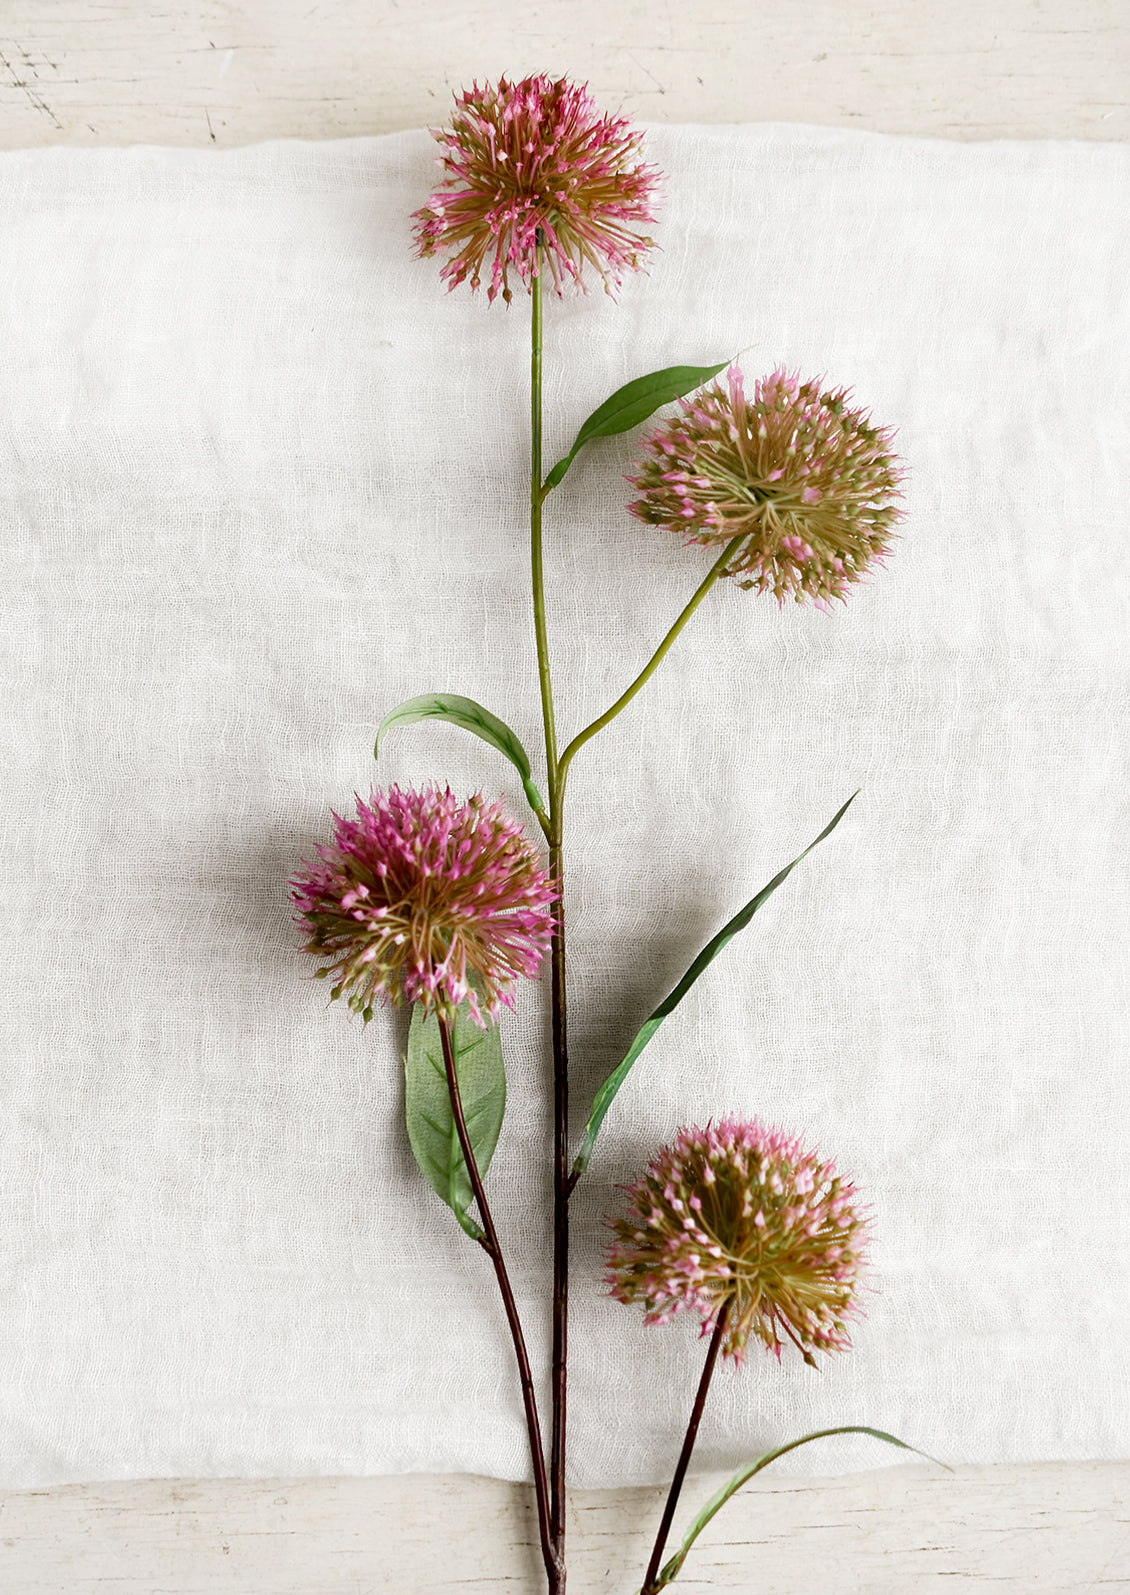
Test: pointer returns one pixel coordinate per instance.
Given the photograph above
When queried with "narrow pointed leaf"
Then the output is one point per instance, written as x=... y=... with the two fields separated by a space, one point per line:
x=633 y=403
x=671 y=1569
x=472 y=717
x=603 y=1100
x=427 y=1104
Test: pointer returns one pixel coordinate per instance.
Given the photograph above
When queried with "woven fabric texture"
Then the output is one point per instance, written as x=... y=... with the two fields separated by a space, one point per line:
x=263 y=479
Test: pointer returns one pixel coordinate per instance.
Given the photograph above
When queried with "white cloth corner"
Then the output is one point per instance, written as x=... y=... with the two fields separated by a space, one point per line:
x=264 y=479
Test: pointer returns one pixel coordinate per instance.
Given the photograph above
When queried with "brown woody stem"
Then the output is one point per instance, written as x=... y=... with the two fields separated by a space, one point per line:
x=561 y=1189
x=554 y=1571
x=649 y=1584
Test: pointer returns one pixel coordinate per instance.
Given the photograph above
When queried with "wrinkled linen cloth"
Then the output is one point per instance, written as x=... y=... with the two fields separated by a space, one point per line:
x=264 y=479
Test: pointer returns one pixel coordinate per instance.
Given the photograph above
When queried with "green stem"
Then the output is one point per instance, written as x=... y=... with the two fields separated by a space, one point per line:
x=551 y=825
x=727 y=555
x=537 y=494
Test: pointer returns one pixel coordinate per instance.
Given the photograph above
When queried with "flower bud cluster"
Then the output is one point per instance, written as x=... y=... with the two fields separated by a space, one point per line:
x=801 y=483
x=426 y=899
x=740 y=1214
x=534 y=162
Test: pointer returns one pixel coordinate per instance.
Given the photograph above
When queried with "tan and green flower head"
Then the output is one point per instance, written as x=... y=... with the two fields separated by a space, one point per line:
x=743 y=1215
x=801 y=483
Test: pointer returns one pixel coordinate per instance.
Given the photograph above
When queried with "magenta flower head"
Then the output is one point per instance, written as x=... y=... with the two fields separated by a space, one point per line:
x=801 y=484
x=534 y=161
x=740 y=1214
x=426 y=899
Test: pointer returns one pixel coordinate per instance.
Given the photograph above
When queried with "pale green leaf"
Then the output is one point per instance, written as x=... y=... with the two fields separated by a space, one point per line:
x=471 y=716
x=427 y=1104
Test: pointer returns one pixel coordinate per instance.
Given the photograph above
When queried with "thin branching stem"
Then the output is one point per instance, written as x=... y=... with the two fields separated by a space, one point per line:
x=728 y=554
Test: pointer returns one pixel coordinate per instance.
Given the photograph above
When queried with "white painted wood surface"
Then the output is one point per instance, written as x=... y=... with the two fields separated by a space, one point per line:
x=1059 y=1531
x=197 y=71
x=200 y=72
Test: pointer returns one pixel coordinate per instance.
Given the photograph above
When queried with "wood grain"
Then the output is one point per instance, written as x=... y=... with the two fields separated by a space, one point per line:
x=894 y=1531
x=202 y=72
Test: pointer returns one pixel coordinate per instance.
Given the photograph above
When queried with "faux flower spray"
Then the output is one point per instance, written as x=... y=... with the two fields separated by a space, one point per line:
x=444 y=904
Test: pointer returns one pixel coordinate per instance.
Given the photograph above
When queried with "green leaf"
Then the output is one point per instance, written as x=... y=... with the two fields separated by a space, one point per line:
x=472 y=717
x=427 y=1103
x=671 y=1569
x=603 y=1100
x=633 y=403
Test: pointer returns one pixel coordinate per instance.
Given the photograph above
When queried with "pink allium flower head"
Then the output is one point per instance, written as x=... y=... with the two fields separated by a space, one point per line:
x=739 y=1213
x=426 y=899
x=806 y=478
x=530 y=157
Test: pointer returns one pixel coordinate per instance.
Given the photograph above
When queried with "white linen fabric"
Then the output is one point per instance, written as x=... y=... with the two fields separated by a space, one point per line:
x=263 y=480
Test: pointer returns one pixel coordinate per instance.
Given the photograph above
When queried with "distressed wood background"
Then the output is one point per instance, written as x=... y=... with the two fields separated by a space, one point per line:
x=212 y=71
x=201 y=72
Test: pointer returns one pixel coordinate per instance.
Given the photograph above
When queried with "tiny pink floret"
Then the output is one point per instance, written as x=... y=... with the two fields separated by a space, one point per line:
x=426 y=899
x=771 y=1230
x=801 y=483
x=536 y=161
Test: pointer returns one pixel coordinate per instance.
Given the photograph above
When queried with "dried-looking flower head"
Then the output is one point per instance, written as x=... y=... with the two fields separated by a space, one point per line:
x=536 y=158
x=801 y=483
x=741 y=1214
x=426 y=899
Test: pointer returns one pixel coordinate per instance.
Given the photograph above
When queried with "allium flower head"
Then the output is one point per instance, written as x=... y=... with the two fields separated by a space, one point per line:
x=536 y=157
x=739 y=1213
x=804 y=477
x=426 y=899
